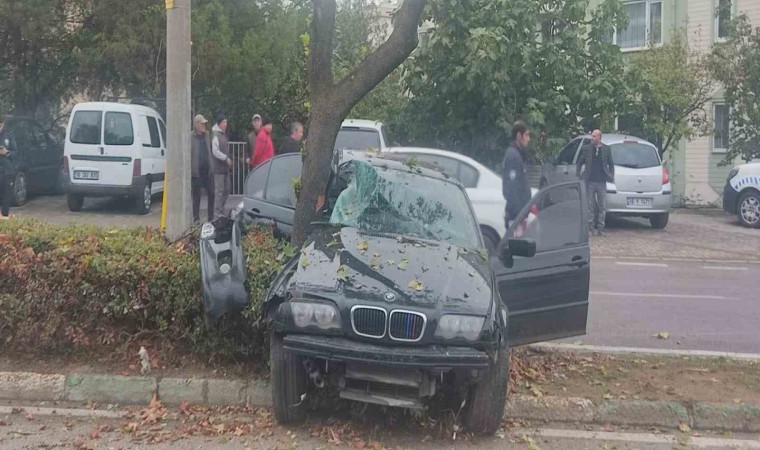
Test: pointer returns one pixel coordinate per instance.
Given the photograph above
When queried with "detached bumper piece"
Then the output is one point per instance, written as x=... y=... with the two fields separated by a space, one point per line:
x=223 y=272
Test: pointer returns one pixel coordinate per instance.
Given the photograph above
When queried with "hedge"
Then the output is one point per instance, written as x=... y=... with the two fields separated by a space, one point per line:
x=80 y=289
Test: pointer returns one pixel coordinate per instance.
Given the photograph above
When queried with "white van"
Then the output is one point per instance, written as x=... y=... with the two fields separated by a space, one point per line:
x=114 y=150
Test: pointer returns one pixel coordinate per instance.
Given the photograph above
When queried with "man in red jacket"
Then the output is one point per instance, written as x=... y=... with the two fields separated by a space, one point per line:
x=264 y=147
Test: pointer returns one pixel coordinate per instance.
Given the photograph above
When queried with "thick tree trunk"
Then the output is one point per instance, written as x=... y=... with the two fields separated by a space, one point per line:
x=331 y=102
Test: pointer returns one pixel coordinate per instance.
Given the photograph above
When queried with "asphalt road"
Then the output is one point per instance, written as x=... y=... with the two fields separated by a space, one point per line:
x=713 y=306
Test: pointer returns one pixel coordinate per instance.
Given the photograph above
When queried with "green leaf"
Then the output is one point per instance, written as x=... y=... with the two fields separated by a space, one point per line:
x=404 y=264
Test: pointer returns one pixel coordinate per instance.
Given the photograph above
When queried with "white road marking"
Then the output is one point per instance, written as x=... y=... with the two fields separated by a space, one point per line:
x=63 y=412
x=646 y=351
x=723 y=268
x=641 y=264
x=644 y=295
x=646 y=438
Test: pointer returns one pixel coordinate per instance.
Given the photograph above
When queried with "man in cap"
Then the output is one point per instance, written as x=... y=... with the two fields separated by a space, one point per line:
x=255 y=128
x=201 y=167
x=221 y=164
x=264 y=147
x=7 y=169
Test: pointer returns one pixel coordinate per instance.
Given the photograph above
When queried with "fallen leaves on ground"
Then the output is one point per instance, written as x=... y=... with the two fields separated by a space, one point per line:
x=662 y=335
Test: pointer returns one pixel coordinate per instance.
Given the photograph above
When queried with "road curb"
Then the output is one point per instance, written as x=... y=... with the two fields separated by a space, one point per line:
x=22 y=387
x=672 y=353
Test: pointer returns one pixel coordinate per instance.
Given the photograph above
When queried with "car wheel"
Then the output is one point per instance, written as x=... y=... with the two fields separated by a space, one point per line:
x=491 y=240
x=143 y=200
x=659 y=221
x=484 y=409
x=20 y=190
x=75 y=202
x=288 y=379
x=749 y=209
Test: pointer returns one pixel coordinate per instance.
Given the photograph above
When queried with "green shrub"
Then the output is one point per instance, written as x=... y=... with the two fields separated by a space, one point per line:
x=85 y=288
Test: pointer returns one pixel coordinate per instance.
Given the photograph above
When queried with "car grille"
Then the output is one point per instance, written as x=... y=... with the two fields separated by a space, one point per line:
x=368 y=321
x=407 y=326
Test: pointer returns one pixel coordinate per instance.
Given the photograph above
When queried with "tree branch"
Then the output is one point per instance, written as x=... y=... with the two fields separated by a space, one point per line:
x=381 y=62
x=321 y=46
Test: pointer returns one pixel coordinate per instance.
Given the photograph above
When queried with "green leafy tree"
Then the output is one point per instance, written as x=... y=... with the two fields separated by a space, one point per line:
x=668 y=87
x=736 y=64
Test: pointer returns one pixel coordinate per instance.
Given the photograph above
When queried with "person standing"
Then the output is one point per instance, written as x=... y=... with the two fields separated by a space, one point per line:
x=596 y=168
x=515 y=187
x=201 y=167
x=264 y=146
x=221 y=164
x=292 y=144
x=254 y=133
x=7 y=169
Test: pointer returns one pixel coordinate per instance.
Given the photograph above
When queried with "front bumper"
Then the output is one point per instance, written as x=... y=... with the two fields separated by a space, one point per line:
x=617 y=203
x=431 y=357
x=730 y=197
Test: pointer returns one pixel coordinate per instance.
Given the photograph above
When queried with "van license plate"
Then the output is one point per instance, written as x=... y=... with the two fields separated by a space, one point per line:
x=639 y=202
x=86 y=175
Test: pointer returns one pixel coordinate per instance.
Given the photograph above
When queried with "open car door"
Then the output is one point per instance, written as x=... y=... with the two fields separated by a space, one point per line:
x=546 y=294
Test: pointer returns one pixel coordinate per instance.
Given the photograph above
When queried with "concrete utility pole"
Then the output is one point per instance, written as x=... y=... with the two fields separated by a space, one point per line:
x=178 y=82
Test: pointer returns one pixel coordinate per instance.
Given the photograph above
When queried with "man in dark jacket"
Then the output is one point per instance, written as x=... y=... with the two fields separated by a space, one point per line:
x=596 y=168
x=292 y=144
x=202 y=177
x=7 y=169
x=514 y=181
x=251 y=137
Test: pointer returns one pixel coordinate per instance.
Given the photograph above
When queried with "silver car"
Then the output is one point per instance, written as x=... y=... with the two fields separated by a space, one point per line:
x=642 y=184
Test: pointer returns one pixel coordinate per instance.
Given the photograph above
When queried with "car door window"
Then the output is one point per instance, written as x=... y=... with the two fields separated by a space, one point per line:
x=567 y=155
x=442 y=163
x=285 y=170
x=468 y=175
x=86 y=127
x=22 y=135
x=256 y=183
x=155 y=139
x=38 y=136
x=118 y=129
x=554 y=219
x=162 y=127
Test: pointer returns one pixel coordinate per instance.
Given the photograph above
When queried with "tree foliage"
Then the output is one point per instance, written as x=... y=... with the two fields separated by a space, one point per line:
x=736 y=64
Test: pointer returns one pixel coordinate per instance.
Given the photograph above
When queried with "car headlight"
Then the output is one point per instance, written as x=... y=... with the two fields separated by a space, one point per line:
x=734 y=172
x=453 y=326
x=320 y=315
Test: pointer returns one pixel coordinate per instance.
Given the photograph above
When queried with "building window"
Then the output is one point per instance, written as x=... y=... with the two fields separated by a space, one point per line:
x=723 y=16
x=721 y=119
x=644 y=25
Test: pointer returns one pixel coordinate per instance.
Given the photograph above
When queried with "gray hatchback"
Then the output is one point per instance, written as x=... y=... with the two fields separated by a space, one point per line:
x=642 y=184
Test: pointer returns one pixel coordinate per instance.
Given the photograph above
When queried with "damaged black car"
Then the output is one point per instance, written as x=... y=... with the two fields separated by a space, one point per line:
x=393 y=298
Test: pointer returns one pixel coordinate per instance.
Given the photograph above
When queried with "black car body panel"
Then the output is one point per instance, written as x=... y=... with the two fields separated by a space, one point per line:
x=39 y=156
x=224 y=289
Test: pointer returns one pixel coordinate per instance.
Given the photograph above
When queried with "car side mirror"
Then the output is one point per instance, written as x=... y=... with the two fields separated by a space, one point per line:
x=517 y=247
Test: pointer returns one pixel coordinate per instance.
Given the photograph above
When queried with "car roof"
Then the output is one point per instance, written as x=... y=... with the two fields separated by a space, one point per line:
x=435 y=151
x=114 y=106
x=385 y=160
x=361 y=123
x=616 y=138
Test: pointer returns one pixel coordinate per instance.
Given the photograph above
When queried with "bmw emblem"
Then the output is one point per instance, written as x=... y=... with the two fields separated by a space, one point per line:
x=390 y=296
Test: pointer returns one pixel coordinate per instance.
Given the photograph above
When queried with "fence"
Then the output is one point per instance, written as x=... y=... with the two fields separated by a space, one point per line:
x=239 y=152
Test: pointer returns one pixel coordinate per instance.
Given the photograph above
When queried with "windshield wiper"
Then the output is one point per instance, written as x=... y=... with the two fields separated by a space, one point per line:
x=630 y=166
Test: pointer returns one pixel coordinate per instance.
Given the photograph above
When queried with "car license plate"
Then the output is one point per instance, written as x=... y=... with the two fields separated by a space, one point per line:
x=639 y=202
x=86 y=175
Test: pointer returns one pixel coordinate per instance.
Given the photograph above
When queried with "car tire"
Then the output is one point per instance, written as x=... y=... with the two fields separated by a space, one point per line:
x=288 y=379
x=748 y=209
x=75 y=202
x=20 y=190
x=659 y=221
x=144 y=199
x=491 y=240
x=484 y=409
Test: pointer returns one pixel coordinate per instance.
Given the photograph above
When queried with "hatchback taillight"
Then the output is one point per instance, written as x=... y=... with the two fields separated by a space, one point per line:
x=66 y=164
x=137 y=168
x=665 y=176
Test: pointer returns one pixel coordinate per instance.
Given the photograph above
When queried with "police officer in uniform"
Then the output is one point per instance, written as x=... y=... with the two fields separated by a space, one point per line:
x=514 y=181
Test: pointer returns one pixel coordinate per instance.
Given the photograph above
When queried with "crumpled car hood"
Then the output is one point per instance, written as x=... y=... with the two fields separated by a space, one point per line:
x=371 y=268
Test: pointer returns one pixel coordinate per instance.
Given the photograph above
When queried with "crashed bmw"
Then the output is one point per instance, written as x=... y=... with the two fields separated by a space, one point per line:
x=393 y=298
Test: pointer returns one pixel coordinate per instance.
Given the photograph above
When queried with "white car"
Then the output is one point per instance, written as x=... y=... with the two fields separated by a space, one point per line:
x=483 y=186
x=357 y=134
x=741 y=195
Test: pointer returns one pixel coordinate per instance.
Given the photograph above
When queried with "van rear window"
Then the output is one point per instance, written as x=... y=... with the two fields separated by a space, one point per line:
x=119 y=129
x=86 y=126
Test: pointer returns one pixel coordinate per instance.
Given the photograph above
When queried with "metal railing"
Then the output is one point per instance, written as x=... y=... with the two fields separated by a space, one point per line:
x=239 y=152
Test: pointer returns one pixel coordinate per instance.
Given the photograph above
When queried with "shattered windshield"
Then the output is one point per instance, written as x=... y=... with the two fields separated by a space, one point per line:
x=397 y=202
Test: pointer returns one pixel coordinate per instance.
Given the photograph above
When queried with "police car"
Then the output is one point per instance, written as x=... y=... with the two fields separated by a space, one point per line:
x=741 y=195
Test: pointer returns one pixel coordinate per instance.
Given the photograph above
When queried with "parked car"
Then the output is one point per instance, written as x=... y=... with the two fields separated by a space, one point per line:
x=114 y=150
x=38 y=162
x=741 y=195
x=357 y=134
x=642 y=183
x=391 y=301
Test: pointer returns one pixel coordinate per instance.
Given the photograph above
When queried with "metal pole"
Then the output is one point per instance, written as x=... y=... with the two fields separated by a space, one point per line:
x=178 y=121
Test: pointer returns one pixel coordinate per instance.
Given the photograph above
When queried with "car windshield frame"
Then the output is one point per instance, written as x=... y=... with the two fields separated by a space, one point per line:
x=385 y=200
x=632 y=161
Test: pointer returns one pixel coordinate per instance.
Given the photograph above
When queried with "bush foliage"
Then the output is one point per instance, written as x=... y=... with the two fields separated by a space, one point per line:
x=76 y=288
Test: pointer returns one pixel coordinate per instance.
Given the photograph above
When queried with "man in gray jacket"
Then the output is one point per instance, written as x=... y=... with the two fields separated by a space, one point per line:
x=200 y=158
x=221 y=164
x=596 y=168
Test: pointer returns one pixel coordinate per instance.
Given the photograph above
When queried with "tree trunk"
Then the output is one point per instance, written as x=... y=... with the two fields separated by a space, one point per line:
x=331 y=102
